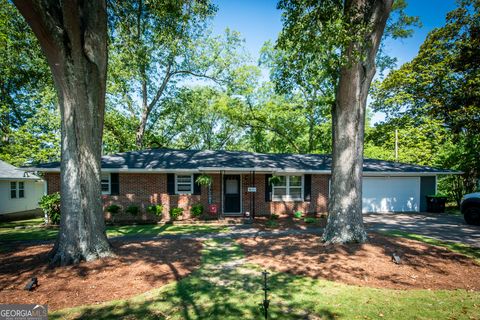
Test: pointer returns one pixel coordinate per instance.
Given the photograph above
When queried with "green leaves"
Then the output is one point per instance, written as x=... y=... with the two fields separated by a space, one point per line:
x=50 y=204
x=442 y=81
x=26 y=93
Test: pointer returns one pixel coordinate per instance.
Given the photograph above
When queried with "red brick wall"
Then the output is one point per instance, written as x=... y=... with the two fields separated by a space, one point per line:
x=53 y=182
x=143 y=189
x=318 y=203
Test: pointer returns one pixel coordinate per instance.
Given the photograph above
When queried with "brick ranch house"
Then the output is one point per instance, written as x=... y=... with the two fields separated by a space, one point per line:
x=240 y=182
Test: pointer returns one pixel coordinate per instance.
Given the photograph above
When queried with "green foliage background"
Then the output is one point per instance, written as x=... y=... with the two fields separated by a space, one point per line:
x=216 y=97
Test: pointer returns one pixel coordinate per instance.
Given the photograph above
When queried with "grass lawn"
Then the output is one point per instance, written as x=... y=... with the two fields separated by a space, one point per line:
x=9 y=233
x=225 y=287
x=461 y=248
x=18 y=223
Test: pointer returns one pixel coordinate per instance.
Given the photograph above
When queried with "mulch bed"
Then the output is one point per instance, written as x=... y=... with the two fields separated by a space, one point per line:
x=422 y=266
x=138 y=267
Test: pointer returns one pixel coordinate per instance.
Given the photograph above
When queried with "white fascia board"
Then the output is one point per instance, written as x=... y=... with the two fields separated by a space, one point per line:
x=234 y=169
x=253 y=169
x=33 y=169
x=149 y=170
x=20 y=179
x=404 y=174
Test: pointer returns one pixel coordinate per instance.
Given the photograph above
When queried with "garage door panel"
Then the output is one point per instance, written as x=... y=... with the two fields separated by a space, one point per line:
x=383 y=194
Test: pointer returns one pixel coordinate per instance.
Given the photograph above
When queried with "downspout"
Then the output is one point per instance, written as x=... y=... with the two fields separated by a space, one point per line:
x=221 y=194
x=254 y=194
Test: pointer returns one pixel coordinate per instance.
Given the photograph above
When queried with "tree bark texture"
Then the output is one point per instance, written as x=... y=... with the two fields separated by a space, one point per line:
x=345 y=220
x=73 y=36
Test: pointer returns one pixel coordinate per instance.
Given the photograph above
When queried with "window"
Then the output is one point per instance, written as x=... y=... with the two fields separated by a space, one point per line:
x=184 y=184
x=21 y=190
x=289 y=188
x=231 y=186
x=106 y=183
x=17 y=189
x=13 y=190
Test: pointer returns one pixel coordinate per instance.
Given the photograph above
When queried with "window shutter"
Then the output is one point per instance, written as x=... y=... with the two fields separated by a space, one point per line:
x=114 y=184
x=196 y=187
x=268 y=188
x=307 y=187
x=170 y=183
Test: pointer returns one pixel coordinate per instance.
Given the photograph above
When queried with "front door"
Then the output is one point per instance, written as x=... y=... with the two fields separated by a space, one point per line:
x=231 y=187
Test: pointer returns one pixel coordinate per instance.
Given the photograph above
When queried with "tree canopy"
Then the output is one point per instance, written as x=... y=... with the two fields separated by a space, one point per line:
x=439 y=92
x=190 y=88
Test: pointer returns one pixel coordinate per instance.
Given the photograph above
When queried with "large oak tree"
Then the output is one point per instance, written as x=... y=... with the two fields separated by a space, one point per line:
x=73 y=37
x=345 y=222
x=342 y=38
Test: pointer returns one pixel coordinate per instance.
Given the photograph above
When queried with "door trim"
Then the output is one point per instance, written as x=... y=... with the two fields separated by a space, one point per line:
x=241 y=196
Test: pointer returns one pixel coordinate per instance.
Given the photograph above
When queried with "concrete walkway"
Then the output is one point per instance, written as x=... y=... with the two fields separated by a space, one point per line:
x=439 y=226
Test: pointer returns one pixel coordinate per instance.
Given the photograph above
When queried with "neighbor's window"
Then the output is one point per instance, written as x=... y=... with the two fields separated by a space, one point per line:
x=288 y=188
x=21 y=189
x=17 y=189
x=184 y=184
x=106 y=183
x=13 y=190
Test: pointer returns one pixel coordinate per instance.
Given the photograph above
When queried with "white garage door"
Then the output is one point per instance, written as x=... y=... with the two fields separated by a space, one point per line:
x=387 y=194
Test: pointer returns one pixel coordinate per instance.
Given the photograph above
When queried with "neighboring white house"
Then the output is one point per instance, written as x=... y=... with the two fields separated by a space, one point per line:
x=19 y=191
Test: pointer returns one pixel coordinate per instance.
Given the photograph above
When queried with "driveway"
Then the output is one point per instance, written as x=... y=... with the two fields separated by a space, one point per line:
x=440 y=226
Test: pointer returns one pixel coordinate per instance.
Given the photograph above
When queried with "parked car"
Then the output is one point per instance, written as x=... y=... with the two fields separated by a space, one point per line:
x=470 y=208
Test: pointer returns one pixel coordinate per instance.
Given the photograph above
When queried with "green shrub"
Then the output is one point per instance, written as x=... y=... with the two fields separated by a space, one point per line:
x=271 y=224
x=113 y=209
x=298 y=215
x=175 y=213
x=155 y=209
x=274 y=216
x=310 y=220
x=437 y=195
x=50 y=204
x=204 y=180
x=197 y=210
x=273 y=180
x=133 y=209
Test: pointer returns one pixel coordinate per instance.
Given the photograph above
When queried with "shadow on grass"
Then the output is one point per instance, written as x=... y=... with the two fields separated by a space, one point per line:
x=223 y=288
x=10 y=234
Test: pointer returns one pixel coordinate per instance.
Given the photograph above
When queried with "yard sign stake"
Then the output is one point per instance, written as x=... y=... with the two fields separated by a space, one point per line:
x=266 y=302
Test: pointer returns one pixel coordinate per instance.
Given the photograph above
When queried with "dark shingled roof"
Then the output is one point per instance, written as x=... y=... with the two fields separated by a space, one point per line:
x=170 y=159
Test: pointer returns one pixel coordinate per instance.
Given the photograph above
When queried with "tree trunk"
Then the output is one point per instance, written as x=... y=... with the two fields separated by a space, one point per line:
x=141 y=129
x=73 y=36
x=345 y=220
x=311 y=128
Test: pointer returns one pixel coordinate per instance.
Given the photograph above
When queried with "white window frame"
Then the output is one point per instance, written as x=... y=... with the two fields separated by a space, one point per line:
x=16 y=189
x=22 y=189
x=176 y=184
x=109 y=183
x=287 y=196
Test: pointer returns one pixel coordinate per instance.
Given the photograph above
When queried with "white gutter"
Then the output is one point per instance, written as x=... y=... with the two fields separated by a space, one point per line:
x=20 y=179
x=255 y=169
x=405 y=174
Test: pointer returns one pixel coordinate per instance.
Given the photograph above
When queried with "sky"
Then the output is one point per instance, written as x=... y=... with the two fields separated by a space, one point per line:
x=259 y=21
